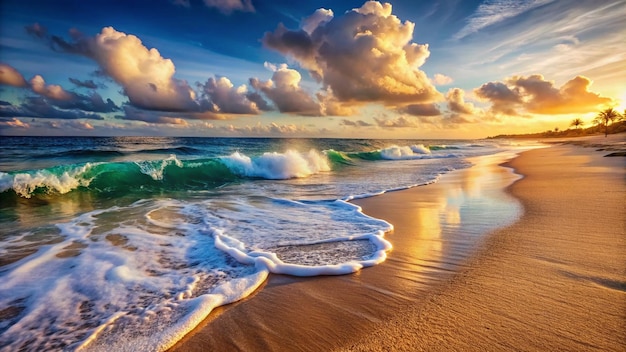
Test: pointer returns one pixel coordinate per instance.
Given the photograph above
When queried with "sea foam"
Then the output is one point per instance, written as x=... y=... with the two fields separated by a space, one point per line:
x=278 y=166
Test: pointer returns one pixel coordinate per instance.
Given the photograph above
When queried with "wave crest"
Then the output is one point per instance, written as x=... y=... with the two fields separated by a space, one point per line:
x=278 y=166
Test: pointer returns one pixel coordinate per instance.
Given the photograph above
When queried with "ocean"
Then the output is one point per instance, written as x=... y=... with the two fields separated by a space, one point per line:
x=127 y=243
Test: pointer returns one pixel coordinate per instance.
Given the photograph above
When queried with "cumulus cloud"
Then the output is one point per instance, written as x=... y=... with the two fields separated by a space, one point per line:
x=534 y=94
x=364 y=55
x=421 y=109
x=229 y=6
x=284 y=90
x=146 y=77
x=11 y=77
x=441 y=79
x=398 y=122
x=457 y=104
x=224 y=97
x=51 y=91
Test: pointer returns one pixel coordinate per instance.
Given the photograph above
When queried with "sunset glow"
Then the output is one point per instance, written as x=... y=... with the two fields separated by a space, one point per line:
x=405 y=69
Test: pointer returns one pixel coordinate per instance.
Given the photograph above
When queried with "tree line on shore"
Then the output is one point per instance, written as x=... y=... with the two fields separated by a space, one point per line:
x=608 y=121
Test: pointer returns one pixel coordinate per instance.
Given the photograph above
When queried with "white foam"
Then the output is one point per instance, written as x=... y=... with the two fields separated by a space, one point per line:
x=278 y=166
x=156 y=168
x=25 y=183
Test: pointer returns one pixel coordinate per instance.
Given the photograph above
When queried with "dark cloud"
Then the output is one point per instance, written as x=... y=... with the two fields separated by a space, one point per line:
x=421 y=109
x=41 y=108
x=261 y=103
x=89 y=84
x=503 y=99
x=357 y=123
x=37 y=30
x=134 y=114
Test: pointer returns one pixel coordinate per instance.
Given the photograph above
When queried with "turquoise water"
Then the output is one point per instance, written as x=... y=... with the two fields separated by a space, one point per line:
x=128 y=243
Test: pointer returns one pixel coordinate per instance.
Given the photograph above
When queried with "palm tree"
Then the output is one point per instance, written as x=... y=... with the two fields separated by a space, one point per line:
x=604 y=118
x=577 y=123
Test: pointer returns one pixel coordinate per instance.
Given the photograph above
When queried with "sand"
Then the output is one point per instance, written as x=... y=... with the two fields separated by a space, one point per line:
x=464 y=275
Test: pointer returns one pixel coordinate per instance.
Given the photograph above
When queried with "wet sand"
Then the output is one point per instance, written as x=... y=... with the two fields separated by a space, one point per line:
x=463 y=274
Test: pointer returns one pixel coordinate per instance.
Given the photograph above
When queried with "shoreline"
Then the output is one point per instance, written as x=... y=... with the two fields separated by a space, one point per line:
x=438 y=302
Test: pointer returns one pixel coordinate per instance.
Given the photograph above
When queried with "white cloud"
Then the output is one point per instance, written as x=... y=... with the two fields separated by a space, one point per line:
x=492 y=12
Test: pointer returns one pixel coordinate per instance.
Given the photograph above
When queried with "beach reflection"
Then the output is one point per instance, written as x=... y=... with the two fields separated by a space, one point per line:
x=439 y=226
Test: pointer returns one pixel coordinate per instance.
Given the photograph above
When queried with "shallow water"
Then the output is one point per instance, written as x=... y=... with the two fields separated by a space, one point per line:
x=138 y=239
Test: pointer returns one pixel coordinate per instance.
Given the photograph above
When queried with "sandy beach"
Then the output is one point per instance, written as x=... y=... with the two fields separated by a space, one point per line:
x=476 y=265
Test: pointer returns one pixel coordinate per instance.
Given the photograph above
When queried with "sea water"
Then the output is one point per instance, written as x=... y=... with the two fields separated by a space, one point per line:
x=128 y=243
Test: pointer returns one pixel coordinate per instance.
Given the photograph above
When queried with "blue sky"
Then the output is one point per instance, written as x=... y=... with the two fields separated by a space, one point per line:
x=422 y=69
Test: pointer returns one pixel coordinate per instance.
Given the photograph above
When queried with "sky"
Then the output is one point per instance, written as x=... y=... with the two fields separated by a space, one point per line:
x=260 y=68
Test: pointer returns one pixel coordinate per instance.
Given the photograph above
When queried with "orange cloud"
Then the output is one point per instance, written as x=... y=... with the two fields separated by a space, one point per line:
x=456 y=102
x=541 y=97
x=9 y=76
x=52 y=91
x=146 y=77
x=534 y=94
x=14 y=123
x=364 y=55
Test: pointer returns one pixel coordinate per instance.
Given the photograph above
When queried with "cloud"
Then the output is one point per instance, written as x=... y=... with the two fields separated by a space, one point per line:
x=134 y=114
x=89 y=84
x=13 y=123
x=503 y=99
x=261 y=103
x=534 y=94
x=441 y=79
x=285 y=92
x=456 y=102
x=492 y=12
x=9 y=76
x=229 y=6
x=37 y=30
x=399 y=122
x=541 y=97
x=364 y=55
x=51 y=91
x=41 y=108
x=357 y=123
x=421 y=109
x=146 y=77
x=56 y=95
x=224 y=97
x=272 y=129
